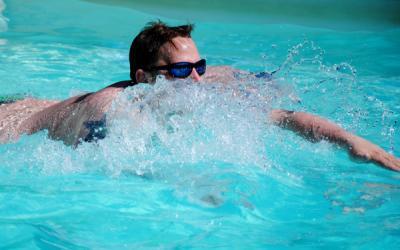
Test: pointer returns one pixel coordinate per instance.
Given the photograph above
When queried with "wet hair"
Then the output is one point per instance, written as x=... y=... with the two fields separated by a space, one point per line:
x=145 y=47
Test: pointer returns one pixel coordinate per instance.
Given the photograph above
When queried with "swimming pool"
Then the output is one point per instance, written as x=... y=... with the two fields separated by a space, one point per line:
x=204 y=169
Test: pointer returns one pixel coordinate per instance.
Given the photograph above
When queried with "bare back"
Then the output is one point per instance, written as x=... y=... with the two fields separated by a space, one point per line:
x=64 y=120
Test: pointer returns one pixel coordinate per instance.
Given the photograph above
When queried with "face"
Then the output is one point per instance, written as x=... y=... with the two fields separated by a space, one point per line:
x=183 y=49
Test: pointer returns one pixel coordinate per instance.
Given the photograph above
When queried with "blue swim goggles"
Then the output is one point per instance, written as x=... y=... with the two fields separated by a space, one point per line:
x=183 y=69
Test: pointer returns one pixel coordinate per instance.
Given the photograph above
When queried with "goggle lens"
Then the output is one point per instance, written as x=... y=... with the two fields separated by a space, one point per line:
x=184 y=69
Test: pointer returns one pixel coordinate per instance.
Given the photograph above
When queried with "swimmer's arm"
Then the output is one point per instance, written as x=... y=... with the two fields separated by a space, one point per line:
x=315 y=128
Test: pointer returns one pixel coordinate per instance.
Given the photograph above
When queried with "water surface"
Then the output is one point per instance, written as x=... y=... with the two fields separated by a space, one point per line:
x=200 y=166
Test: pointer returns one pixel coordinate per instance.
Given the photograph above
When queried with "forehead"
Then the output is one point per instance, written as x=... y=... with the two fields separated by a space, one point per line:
x=181 y=49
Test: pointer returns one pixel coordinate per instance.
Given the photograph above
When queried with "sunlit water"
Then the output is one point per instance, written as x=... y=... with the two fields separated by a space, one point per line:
x=187 y=165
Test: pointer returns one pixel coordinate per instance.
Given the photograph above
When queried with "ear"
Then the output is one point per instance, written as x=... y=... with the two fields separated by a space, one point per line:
x=140 y=76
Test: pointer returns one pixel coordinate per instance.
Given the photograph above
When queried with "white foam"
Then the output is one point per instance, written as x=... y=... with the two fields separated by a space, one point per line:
x=186 y=123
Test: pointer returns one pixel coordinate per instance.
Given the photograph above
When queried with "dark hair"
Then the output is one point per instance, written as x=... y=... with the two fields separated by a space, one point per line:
x=146 y=45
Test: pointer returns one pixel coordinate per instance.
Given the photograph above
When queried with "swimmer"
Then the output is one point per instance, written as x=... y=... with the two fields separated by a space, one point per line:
x=169 y=51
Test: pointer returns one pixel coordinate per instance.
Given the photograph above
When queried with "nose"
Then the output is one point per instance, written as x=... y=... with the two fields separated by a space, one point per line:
x=195 y=76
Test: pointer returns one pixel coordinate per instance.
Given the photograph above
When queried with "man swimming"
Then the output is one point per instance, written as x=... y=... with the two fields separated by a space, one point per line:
x=169 y=51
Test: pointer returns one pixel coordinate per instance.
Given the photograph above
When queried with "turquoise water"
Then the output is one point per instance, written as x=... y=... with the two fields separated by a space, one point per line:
x=203 y=169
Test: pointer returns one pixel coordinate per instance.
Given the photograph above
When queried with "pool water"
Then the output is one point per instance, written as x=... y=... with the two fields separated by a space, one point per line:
x=200 y=166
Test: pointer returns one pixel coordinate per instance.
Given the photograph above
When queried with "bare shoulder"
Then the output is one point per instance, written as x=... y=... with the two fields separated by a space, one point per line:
x=97 y=101
x=63 y=119
x=222 y=74
x=105 y=96
x=222 y=68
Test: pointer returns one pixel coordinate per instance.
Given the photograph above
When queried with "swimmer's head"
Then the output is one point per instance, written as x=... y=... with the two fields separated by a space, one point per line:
x=159 y=45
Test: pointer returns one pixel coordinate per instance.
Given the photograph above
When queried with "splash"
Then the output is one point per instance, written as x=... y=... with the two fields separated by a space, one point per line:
x=211 y=144
x=182 y=122
x=199 y=139
x=306 y=71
